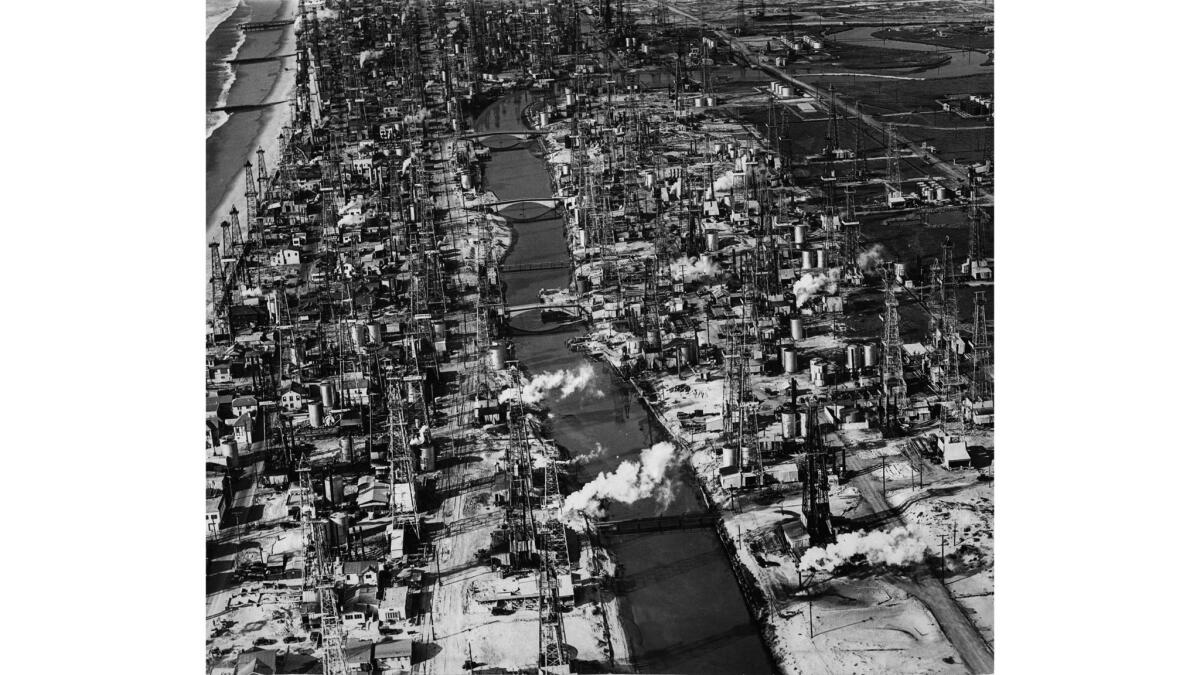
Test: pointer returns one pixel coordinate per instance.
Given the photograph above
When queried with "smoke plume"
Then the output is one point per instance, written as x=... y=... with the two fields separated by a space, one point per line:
x=632 y=480
x=695 y=269
x=368 y=55
x=588 y=456
x=870 y=258
x=725 y=182
x=899 y=546
x=808 y=285
x=561 y=383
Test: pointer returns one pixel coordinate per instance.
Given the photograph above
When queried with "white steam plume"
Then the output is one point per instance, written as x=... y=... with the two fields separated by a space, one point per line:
x=871 y=257
x=631 y=481
x=562 y=383
x=808 y=285
x=725 y=182
x=368 y=55
x=588 y=456
x=899 y=546
x=695 y=268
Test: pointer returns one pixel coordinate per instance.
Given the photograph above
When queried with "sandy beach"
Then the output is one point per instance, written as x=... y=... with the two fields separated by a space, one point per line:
x=236 y=141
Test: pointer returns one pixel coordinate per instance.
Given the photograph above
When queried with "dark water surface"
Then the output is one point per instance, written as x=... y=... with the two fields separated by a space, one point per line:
x=683 y=610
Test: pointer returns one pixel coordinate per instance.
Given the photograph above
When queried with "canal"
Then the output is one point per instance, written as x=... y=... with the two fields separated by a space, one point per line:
x=681 y=606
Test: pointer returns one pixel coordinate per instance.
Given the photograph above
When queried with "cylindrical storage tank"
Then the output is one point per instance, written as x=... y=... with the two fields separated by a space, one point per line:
x=799 y=233
x=854 y=358
x=698 y=103
x=787 y=417
x=375 y=332
x=653 y=337
x=730 y=457
x=334 y=489
x=942 y=194
x=688 y=353
x=791 y=360
x=497 y=356
x=439 y=330
x=583 y=239
x=347 y=449
x=806 y=260
x=358 y=334
x=570 y=98
x=315 y=415
x=544 y=119
x=339 y=527
x=870 y=355
x=465 y=179
x=428 y=457
x=797 y=326
x=821 y=258
x=710 y=101
x=712 y=240
x=786 y=91
x=328 y=395
x=229 y=450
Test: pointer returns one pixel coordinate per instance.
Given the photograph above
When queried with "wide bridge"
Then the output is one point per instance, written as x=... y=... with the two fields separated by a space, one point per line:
x=529 y=267
x=526 y=210
x=684 y=521
x=564 y=307
x=526 y=134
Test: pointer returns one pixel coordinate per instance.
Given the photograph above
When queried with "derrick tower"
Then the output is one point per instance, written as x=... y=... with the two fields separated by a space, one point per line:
x=893 y=390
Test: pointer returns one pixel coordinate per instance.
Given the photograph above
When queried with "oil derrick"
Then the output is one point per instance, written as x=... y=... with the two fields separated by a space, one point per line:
x=400 y=459
x=235 y=228
x=981 y=356
x=860 y=162
x=893 y=389
x=552 y=654
x=216 y=285
x=893 y=158
x=948 y=316
x=815 y=468
x=251 y=191
x=832 y=142
x=320 y=578
x=264 y=179
x=740 y=26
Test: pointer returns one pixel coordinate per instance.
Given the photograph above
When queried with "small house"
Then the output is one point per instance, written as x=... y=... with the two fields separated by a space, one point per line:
x=359 y=572
x=256 y=662
x=243 y=429
x=245 y=405
x=954 y=452
x=214 y=511
x=394 y=657
x=293 y=398
x=394 y=606
x=286 y=256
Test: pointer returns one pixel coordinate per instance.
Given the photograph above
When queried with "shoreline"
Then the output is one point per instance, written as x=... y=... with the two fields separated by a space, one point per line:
x=270 y=124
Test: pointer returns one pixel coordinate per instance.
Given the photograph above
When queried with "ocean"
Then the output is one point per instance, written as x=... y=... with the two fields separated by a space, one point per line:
x=233 y=138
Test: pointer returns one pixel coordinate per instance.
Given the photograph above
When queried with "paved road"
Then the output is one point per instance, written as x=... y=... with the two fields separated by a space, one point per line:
x=950 y=616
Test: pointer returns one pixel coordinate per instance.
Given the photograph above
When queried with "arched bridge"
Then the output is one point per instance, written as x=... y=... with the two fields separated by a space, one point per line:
x=526 y=210
x=564 y=307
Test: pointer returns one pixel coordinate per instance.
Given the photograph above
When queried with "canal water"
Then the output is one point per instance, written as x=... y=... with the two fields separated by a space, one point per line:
x=962 y=62
x=681 y=608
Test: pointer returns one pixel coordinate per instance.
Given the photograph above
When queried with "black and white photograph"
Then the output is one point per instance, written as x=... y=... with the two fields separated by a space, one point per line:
x=549 y=337
x=600 y=337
